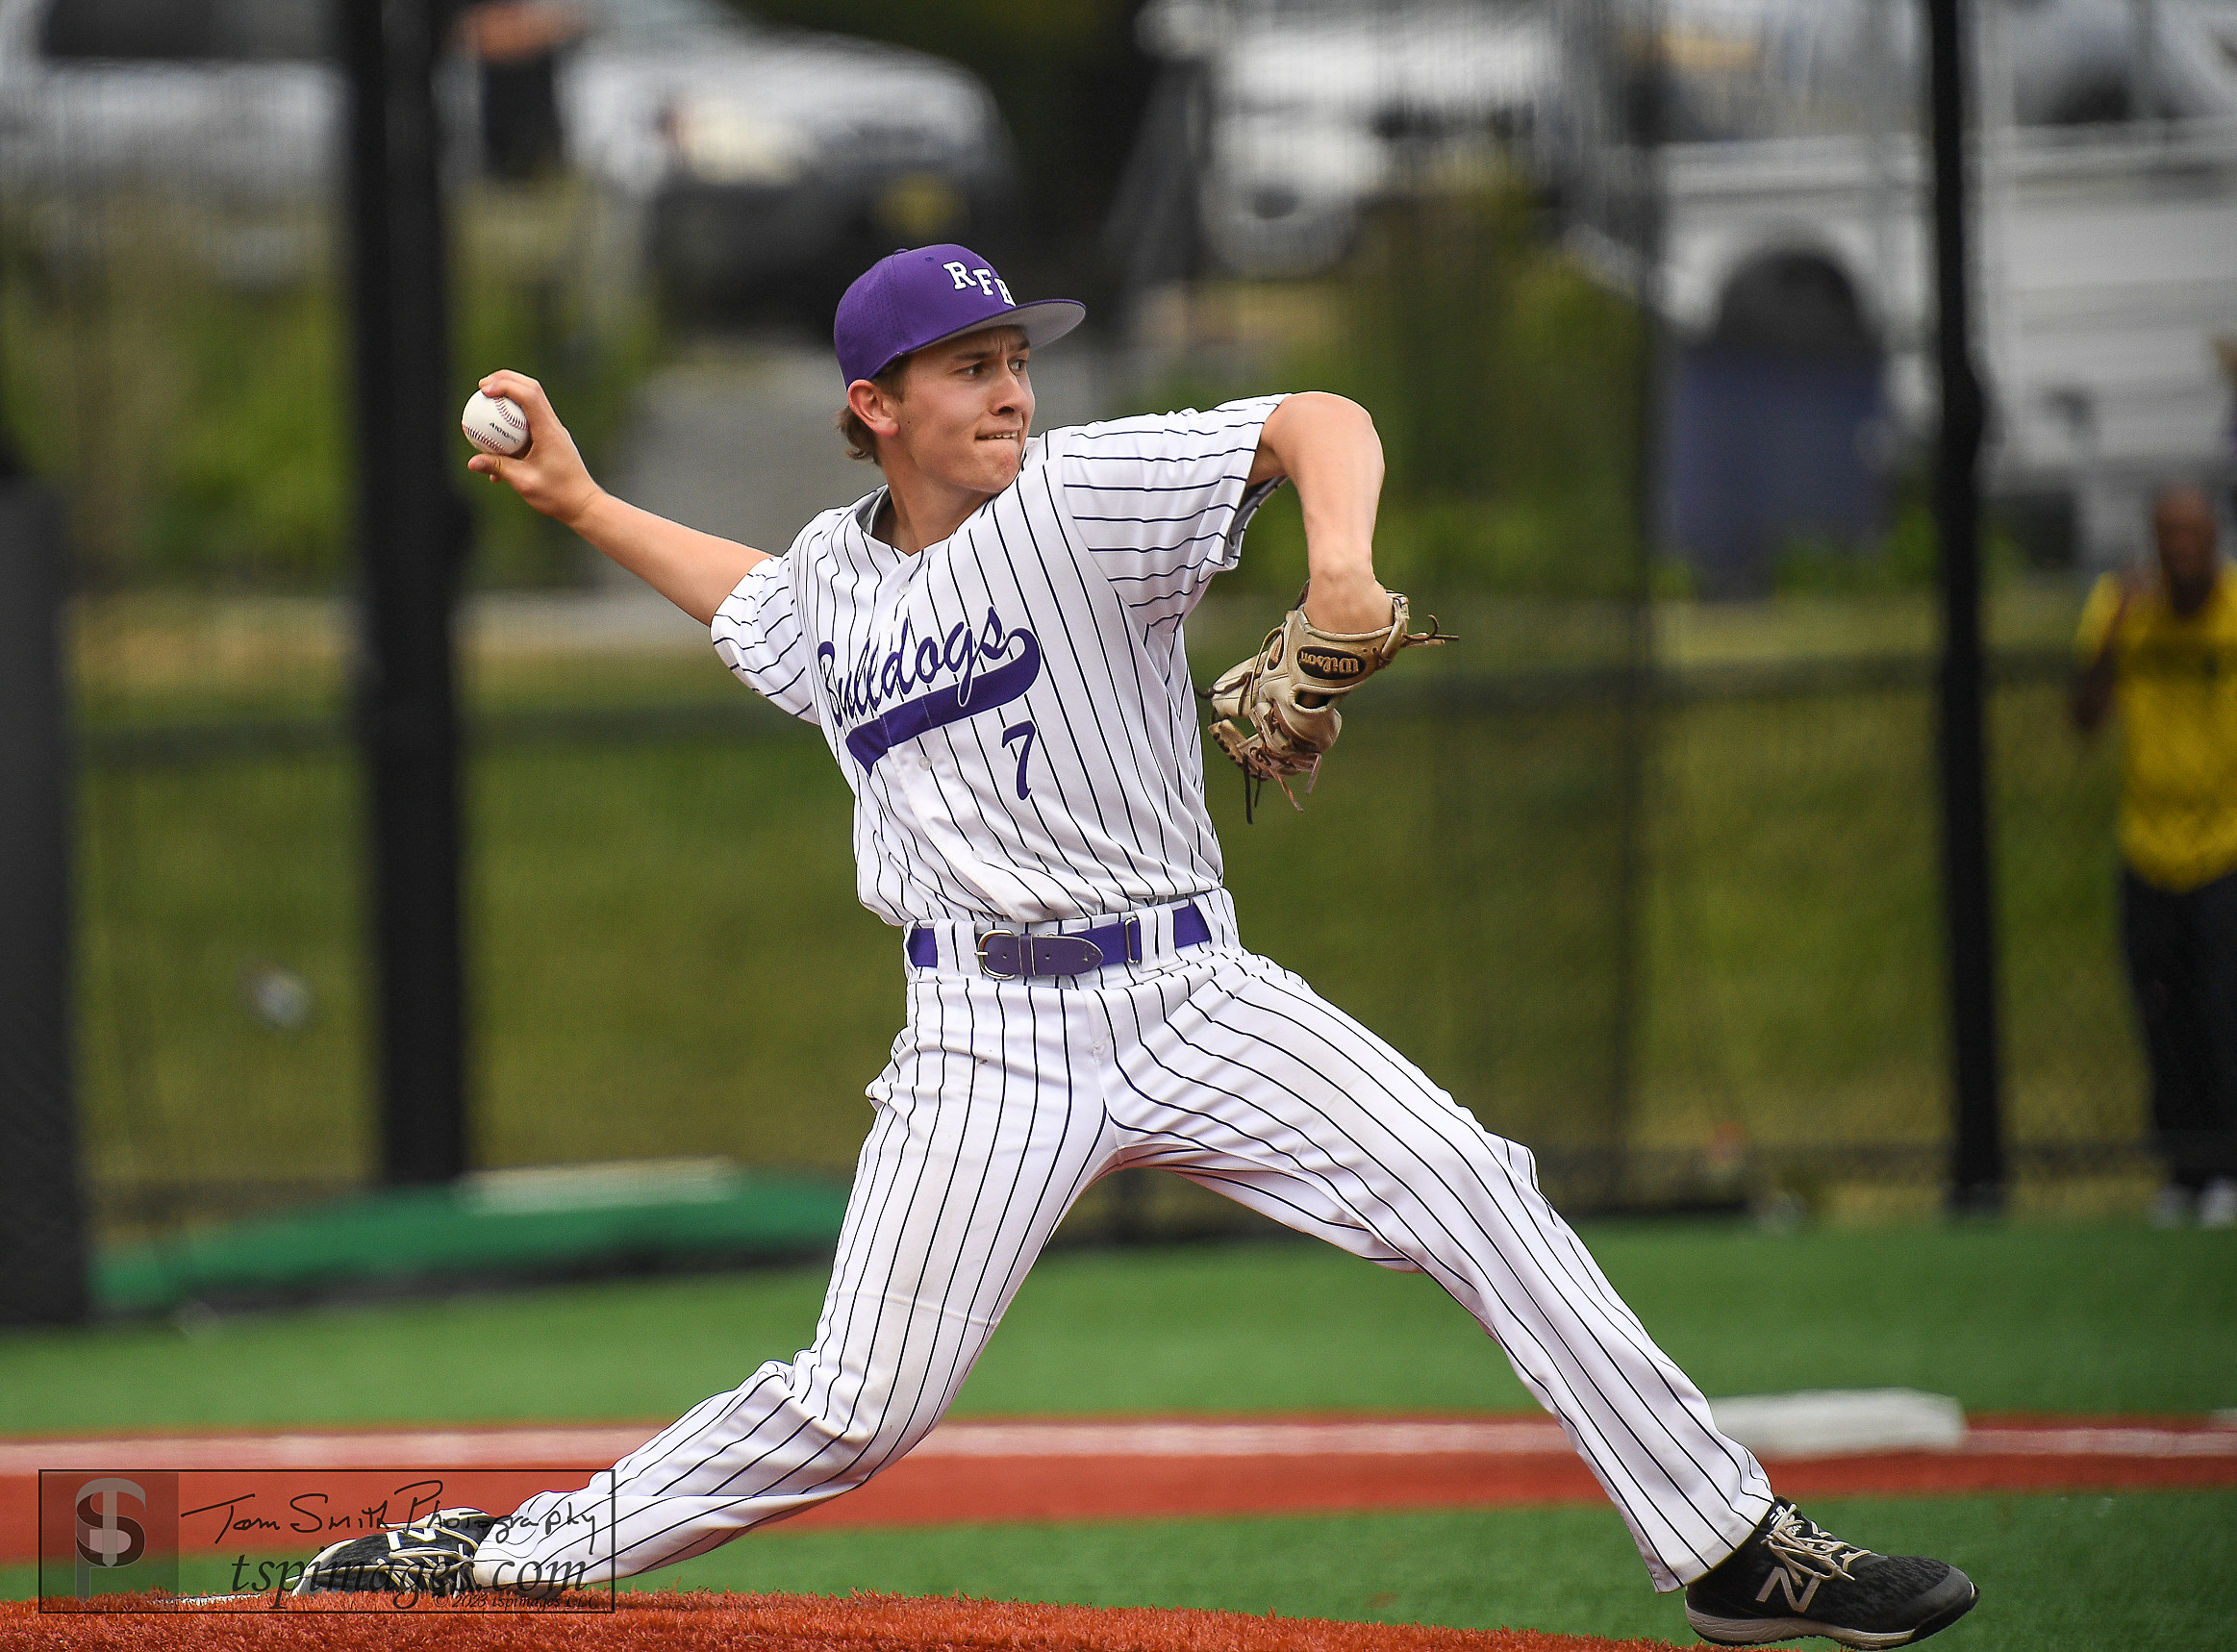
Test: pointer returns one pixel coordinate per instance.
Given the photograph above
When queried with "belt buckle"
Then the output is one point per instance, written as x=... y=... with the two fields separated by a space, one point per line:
x=1024 y=956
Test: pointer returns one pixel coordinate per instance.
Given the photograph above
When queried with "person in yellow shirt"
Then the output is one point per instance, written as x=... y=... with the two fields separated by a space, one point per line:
x=2163 y=651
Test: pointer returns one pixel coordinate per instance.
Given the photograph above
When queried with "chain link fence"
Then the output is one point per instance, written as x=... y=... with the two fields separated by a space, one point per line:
x=1648 y=881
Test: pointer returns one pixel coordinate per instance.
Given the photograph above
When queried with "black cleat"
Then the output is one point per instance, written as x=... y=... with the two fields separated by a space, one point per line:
x=1792 y=1578
x=434 y=1557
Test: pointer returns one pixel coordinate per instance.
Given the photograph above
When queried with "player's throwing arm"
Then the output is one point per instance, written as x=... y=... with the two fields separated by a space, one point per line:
x=693 y=570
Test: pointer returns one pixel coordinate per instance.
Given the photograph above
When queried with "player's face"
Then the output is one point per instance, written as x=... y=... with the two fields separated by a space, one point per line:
x=2185 y=525
x=967 y=408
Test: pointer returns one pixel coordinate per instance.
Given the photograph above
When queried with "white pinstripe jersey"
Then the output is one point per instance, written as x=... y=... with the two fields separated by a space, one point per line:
x=1012 y=706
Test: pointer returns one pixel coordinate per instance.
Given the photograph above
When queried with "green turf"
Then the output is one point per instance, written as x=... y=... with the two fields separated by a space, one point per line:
x=2138 y=1571
x=2003 y=1316
x=2006 y=1316
x=2054 y=1573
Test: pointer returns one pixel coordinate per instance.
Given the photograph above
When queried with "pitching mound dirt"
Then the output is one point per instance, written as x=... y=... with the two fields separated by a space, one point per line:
x=702 y=1622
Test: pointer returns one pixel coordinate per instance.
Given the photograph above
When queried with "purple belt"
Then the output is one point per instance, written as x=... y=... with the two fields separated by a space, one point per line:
x=1005 y=955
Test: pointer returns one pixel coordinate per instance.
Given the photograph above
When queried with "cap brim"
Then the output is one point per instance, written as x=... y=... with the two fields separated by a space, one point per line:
x=1046 y=320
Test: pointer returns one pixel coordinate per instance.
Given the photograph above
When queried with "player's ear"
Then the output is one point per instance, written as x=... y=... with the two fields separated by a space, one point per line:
x=875 y=405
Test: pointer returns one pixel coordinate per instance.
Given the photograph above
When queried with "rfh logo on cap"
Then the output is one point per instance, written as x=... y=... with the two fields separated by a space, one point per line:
x=107 y=1537
x=986 y=280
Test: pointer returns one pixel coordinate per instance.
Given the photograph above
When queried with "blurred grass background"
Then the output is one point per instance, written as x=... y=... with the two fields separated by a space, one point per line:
x=668 y=950
x=194 y=403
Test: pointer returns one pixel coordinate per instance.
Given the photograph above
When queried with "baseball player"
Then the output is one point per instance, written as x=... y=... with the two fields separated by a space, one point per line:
x=991 y=643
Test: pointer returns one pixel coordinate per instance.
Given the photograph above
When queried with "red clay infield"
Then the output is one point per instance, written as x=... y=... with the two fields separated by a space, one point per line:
x=758 y=1623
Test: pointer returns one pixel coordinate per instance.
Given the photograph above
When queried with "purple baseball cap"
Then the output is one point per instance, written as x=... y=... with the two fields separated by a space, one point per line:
x=922 y=295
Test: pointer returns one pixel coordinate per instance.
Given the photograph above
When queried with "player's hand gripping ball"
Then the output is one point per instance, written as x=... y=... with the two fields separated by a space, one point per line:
x=494 y=424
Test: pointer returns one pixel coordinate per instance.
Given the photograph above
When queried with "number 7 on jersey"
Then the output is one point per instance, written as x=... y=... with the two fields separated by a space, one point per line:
x=1021 y=732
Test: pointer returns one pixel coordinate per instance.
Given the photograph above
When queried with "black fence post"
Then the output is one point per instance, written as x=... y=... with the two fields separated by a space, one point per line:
x=1643 y=80
x=43 y=1231
x=411 y=535
x=1977 y=1158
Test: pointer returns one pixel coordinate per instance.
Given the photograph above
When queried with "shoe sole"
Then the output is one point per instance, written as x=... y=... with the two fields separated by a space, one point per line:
x=1760 y=1631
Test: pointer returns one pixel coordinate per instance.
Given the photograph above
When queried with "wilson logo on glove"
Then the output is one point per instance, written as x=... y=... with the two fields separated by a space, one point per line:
x=1321 y=663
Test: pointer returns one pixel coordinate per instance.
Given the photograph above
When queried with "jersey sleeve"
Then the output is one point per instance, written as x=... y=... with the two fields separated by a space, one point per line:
x=757 y=635
x=2097 y=620
x=1161 y=500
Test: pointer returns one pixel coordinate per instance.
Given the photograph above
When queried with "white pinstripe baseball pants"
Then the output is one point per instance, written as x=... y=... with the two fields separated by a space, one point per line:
x=1004 y=1100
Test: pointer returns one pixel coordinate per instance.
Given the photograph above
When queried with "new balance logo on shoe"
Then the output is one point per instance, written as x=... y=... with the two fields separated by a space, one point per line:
x=1786 y=1580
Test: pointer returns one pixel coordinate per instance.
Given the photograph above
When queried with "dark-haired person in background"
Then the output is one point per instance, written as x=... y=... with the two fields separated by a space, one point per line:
x=2164 y=650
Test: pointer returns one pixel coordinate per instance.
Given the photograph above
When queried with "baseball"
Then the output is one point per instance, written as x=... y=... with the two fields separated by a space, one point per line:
x=494 y=424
